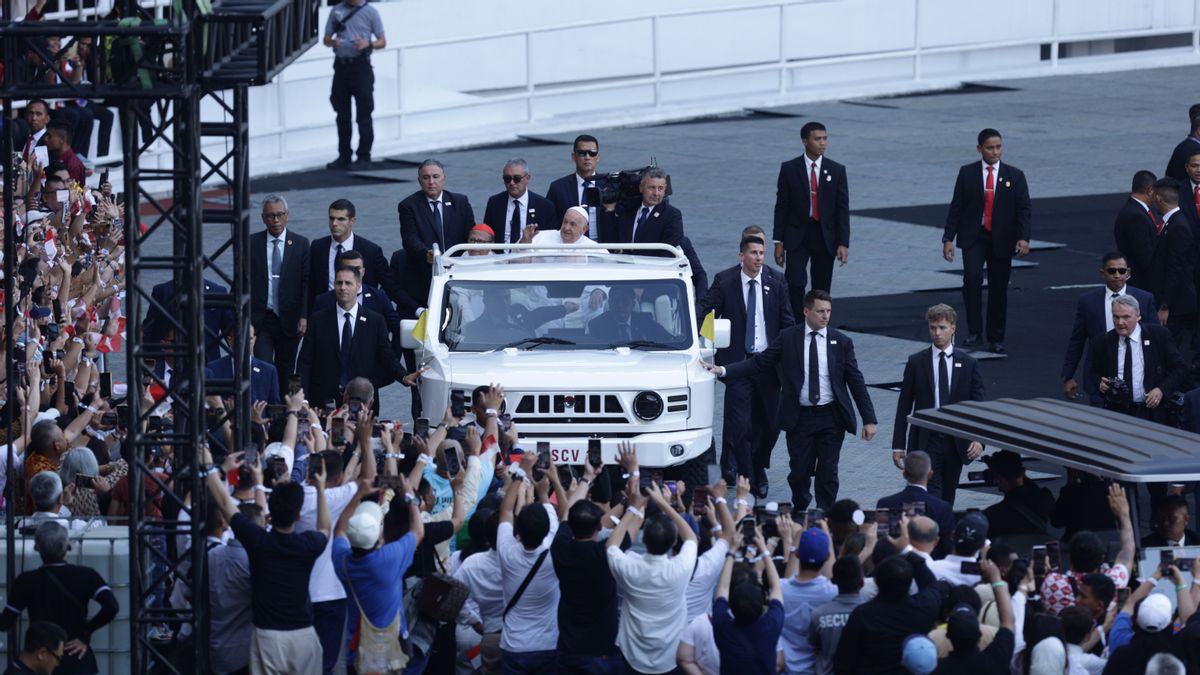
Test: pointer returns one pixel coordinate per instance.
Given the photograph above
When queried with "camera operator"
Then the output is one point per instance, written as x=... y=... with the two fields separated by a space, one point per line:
x=655 y=221
x=1136 y=363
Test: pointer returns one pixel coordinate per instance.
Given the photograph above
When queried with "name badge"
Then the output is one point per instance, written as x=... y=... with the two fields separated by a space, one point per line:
x=958 y=365
x=1146 y=342
x=256 y=369
x=833 y=342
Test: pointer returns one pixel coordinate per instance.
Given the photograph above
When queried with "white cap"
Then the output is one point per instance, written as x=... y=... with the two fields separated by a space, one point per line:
x=365 y=525
x=278 y=449
x=1154 y=614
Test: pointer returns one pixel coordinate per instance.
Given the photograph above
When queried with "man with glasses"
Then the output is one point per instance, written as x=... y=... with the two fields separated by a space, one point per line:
x=43 y=650
x=1093 y=317
x=508 y=212
x=571 y=190
x=278 y=288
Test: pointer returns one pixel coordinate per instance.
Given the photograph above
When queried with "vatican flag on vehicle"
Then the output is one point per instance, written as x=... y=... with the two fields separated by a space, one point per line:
x=418 y=330
x=707 y=329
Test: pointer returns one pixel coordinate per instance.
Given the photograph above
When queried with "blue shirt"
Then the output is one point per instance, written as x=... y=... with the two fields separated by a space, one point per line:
x=800 y=598
x=376 y=580
x=750 y=649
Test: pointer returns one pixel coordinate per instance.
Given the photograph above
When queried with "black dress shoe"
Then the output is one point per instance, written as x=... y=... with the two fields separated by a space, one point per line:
x=997 y=348
x=339 y=163
x=361 y=164
x=973 y=340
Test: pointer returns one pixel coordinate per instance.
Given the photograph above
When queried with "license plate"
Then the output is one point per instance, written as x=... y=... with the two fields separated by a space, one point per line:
x=568 y=452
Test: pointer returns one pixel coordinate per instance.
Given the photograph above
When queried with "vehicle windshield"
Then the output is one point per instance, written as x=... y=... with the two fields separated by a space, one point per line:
x=564 y=315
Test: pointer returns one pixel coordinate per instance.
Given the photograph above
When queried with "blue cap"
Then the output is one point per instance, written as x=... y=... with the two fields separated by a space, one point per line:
x=814 y=546
x=39 y=312
x=919 y=655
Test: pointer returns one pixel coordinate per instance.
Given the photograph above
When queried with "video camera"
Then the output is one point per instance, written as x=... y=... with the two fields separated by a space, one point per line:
x=622 y=187
x=1119 y=396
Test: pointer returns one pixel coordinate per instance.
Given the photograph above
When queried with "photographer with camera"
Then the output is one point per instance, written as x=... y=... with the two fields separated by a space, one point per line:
x=1136 y=363
x=654 y=221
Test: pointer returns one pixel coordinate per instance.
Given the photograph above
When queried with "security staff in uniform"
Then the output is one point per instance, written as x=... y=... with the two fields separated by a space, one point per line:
x=353 y=30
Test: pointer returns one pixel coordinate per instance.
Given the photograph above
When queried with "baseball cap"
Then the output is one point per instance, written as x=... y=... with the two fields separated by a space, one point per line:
x=1154 y=614
x=365 y=525
x=278 y=449
x=39 y=312
x=971 y=531
x=919 y=655
x=814 y=546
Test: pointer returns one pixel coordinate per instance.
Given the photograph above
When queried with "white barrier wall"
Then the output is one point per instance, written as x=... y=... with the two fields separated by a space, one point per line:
x=479 y=71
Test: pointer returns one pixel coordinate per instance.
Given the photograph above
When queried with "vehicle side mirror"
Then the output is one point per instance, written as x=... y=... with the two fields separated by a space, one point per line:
x=721 y=331
x=409 y=342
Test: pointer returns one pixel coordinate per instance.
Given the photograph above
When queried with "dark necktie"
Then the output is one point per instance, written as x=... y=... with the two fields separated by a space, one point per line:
x=814 y=371
x=640 y=222
x=437 y=225
x=340 y=250
x=1129 y=364
x=751 y=315
x=276 y=269
x=943 y=380
x=514 y=226
x=347 y=338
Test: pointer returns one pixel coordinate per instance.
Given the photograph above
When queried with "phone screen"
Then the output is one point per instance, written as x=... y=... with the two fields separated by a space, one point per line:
x=293 y=385
x=105 y=385
x=1054 y=555
x=421 y=427
x=83 y=480
x=505 y=422
x=453 y=465
x=356 y=406
x=1166 y=559
x=250 y=457
x=458 y=404
x=122 y=415
x=594 y=456
x=337 y=429
x=970 y=567
x=69 y=392
x=747 y=527
x=1039 y=561
x=700 y=501
x=543 y=460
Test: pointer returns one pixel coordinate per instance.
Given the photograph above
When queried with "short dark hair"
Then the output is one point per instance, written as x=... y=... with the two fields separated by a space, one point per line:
x=754 y=231
x=1196 y=123
x=349 y=254
x=343 y=205
x=1111 y=256
x=893 y=576
x=810 y=127
x=43 y=635
x=1143 y=181
x=1085 y=551
x=986 y=134
x=285 y=503
x=848 y=574
x=1167 y=190
x=252 y=511
x=59 y=128
x=1193 y=111
x=1103 y=588
x=1170 y=503
x=584 y=518
x=532 y=525
x=352 y=270
x=1190 y=154
x=479 y=392
x=746 y=241
x=811 y=297
x=38 y=101
x=962 y=629
x=659 y=534
x=1077 y=622
x=333 y=465
x=585 y=138
x=746 y=602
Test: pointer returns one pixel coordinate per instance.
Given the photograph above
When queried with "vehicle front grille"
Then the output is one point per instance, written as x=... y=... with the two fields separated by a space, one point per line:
x=564 y=408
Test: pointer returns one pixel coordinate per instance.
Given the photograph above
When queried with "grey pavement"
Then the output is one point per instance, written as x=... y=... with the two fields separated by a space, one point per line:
x=1073 y=135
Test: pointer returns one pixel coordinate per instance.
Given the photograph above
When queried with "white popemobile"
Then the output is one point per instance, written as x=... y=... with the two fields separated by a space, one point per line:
x=587 y=343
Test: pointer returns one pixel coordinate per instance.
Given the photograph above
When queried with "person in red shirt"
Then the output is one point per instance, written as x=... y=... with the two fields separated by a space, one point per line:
x=58 y=142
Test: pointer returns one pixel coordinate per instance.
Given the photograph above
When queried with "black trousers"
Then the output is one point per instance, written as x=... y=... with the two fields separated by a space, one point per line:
x=1184 y=329
x=814 y=448
x=274 y=345
x=999 y=268
x=812 y=250
x=747 y=427
x=946 y=464
x=93 y=112
x=354 y=81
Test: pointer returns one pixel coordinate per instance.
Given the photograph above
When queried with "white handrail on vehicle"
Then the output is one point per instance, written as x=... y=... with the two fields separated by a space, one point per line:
x=446 y=260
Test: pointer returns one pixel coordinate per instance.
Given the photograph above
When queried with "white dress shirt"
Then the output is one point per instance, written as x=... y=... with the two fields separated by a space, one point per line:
x=346 y=246
x=760 y=323
x=935 y=356
x=1139 y=386
x=703 y=583
x=523 y=200
x=1109 y=296
x=341 y=321
x=950 y=569
x=822 y=366
x=655 y=610
x=274 y=275
x=809 y=165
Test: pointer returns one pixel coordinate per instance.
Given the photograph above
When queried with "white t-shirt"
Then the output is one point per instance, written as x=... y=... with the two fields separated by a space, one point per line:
x=324 y=585
x=950 y=569
x=699 y=634
x=481 y=573
x=703 y=582
x=531 y=625
x=655 y=613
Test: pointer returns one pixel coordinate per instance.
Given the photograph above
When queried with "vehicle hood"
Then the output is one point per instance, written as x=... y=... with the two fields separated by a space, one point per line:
x=581 y=369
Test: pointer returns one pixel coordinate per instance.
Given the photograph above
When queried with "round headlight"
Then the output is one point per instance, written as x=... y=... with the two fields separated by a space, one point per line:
x=647 y=406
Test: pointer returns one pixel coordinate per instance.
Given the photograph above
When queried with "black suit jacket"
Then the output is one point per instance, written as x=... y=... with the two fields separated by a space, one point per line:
x=642 y=326
x=216 y=320
x=1179 y=157
x=725 y=297
x=935 y=507
x=1162 y=365
x=664 y=225
x=1012 y=216
x=371 y=354
x=374 y=300
x=916 y=393
x=1173 y=267
x=564 y=193
x=293 y=282
x=699 y=276
x=786 y=354
x=376 y=272
x=792 y=204
x=418 y=233
x=541 y=212
x=406 y=304
x=1135 y=235
x=1090 y=321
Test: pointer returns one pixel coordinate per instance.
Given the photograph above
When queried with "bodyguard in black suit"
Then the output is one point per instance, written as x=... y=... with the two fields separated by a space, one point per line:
x=370 y=297
x=1188 y=145
x=653 y=222
x=991 y=218
x=568 y=191
x=279 y=267
x=264 y=380
x=751 y=403
x=156 y=326
x=1173 y=266
x=324 y=250
x=1093 y=316
x=337 y=350
x=919 y=473
x=508 y=212
x=1136 y=228
x=431 y=217
x=1141 y=354
x=815 y=411
x=934 y=377
x=811 y=229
